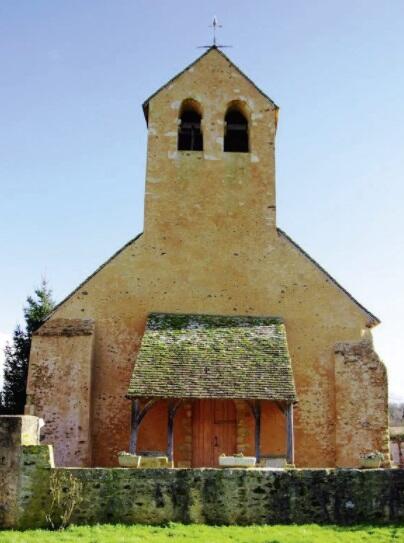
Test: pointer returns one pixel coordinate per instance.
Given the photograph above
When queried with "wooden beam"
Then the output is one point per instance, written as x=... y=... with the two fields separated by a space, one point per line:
x=134 y=426
x=147 y=406
x=290 y=445
x=258 y=430
x=255 y=407
x=138 y=414
x=173 y=405
x=170 y=433
x=282 y=408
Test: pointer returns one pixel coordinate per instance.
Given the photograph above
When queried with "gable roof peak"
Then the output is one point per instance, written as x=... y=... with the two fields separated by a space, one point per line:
x=212 y=49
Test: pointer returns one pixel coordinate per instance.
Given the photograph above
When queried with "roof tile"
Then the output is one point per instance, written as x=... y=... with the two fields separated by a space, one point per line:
x=213 y=356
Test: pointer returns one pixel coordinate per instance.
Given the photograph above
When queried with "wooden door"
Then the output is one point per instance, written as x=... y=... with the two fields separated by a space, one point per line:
x=214 y=431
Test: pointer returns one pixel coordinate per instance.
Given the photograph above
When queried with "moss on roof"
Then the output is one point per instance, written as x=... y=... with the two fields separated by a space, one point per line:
x=210 y=356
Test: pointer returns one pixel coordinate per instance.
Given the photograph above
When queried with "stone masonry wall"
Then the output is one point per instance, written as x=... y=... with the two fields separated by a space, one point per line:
x=18 y=435
x=59 y=386
x=29 y=483
x=361 y=403
x=212 y=496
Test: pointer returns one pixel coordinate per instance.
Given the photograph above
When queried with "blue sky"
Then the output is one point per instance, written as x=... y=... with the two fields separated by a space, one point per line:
x=73 y=75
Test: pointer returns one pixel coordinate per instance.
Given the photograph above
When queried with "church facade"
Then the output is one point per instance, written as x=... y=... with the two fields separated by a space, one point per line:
x=211 y=332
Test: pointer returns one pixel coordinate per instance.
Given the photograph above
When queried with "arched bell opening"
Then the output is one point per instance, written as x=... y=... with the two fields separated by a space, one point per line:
x=190 y=137
x=236 y=136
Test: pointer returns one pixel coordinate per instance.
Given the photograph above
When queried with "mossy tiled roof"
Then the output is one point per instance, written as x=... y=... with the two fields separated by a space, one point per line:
x=210 y=356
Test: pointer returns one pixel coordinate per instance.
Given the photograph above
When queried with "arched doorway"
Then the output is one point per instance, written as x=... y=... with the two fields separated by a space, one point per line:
x=214 y=431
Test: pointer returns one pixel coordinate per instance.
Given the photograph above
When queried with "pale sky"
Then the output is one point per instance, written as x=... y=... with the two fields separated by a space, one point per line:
x=73 y=137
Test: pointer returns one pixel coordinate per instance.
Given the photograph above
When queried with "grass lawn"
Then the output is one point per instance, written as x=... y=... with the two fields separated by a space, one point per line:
x=310 y=533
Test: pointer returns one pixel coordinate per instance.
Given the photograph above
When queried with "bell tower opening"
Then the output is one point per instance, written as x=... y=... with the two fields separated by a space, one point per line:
x=210 y=157
x=236 y=131
x=190 y=136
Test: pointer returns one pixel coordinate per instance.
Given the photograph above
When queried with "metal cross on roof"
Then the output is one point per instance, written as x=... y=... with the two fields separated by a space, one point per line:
x=215 y=24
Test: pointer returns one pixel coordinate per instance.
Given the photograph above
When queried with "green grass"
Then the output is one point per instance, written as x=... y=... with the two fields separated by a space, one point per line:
x=310 y=533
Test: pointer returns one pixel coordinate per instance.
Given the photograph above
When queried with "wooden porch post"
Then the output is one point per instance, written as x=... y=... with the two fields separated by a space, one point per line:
x=134 y=426
x=257 y=414
x=172 y=409
x=290 y=448
x=136 y=418
x=256 y=411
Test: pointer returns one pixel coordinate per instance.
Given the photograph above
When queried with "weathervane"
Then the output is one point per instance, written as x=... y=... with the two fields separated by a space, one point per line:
x=215 y=24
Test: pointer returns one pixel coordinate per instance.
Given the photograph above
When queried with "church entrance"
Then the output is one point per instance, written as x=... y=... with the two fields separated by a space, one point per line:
x=214 y=428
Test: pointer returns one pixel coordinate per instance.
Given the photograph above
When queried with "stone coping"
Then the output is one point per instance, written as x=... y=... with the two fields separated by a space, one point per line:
x=225 y=469
x=198 y=495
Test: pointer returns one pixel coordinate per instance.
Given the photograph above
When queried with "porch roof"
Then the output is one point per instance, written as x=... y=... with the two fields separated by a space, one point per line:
x=213 y=356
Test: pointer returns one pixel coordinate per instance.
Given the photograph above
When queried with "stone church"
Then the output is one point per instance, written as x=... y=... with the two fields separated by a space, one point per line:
x=212 y=332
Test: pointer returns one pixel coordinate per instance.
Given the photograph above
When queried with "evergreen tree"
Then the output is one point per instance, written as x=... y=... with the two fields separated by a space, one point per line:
x=17 y=354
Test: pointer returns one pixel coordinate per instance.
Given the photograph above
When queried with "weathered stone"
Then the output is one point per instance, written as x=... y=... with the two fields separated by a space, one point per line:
x=213 y=496
x=60 y=385
x=21 y=458
x=66 y=328
x=361 y=403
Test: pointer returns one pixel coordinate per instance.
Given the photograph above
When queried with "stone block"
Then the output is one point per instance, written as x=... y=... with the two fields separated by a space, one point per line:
x=18 y=430
x=17 y=434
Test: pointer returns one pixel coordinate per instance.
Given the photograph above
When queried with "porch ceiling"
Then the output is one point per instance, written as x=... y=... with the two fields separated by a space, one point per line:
x=213 y=356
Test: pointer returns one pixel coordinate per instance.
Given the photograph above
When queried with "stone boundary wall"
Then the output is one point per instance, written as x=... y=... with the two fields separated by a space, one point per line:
x=212 y=496
x=32 y=491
